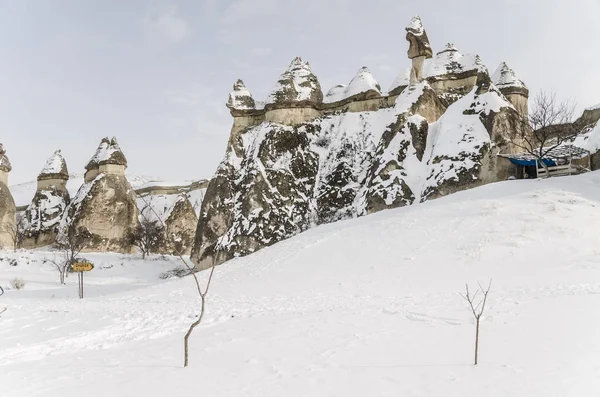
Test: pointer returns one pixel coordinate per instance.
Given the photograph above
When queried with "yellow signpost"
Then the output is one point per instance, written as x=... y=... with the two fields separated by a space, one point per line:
x=81 y=267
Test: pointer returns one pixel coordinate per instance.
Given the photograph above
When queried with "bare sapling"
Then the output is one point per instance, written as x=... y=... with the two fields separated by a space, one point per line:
x=202 y=292
x=477 y=306
x=70 y=246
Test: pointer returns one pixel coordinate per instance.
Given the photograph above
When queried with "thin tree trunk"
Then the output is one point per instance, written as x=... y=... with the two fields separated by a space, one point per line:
x=476 y=339
x=187 y=335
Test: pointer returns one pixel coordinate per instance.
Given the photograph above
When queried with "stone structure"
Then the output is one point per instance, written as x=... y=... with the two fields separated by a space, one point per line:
x=419 y=48
x=105 y=205
x=302 y=160
x=8 y=226
x=42 y=217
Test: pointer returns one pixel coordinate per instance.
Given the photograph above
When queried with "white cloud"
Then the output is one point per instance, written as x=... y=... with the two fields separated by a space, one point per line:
x=168 y=25
x=261 y=51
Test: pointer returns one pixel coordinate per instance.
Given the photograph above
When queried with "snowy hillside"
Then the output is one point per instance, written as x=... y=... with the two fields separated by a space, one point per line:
x=364 y=307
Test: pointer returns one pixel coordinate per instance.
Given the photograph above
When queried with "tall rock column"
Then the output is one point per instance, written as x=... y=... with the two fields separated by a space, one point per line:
x=513 y=88
x=43 y=215
x=7 y=204
x=419 y=48
x=105 y=205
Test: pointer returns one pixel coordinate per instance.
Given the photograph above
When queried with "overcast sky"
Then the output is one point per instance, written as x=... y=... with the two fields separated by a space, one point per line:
x=156 y=73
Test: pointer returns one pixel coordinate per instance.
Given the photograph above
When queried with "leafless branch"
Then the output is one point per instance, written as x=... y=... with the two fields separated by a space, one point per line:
x=477 y=307
x=202 y=293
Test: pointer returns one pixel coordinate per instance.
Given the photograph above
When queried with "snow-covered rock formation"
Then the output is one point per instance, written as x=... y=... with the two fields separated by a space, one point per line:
x=419 y=48
x=177 y=215
x=7 y=204
x=105 y=205
x=357 y=151
x=42 y=217
x=513 y=88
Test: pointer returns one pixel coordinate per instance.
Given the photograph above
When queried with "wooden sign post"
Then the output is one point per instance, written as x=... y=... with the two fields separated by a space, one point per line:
x=81 y=267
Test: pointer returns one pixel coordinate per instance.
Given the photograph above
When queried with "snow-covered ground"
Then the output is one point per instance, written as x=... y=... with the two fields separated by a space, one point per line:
x=366 y=307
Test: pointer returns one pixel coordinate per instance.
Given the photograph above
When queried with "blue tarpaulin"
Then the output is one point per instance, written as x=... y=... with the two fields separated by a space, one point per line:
x=525 y=163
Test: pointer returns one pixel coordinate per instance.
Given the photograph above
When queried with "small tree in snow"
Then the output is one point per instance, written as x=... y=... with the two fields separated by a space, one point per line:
x=69 y=245
x=202 y=292
x=148 y=236
x=477 y=307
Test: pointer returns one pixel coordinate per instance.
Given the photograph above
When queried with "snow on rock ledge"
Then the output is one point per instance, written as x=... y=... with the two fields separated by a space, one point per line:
x=451 y=62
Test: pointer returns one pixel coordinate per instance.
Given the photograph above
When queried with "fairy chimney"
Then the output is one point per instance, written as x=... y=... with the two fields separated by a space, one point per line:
x=513 y=88
x=419 y=48
x=8 y=210
x=42 y=217
x=105 y=205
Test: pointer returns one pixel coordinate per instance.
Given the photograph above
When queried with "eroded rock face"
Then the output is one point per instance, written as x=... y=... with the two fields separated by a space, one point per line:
x=7 y=217
x=464 y=142
x=42 y=217
x=105 y=205
x=7 y=204
x=105 y=208
x=277 y=181
x=394 y=179
x=180 y=227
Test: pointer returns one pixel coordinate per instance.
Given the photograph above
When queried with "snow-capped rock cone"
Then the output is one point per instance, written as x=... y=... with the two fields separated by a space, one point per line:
x=335 y=94
x=297 y=87
x=513 y=88
x=180 y=227
x=7 y=204
x=108 y=159
x=105 y=205
x=419 y=48
x=240 y=98
x=363 y=86
x=42 y=217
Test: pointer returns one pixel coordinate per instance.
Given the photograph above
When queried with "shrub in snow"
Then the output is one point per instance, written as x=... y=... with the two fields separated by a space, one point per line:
x=177 y=272
x=17 y=283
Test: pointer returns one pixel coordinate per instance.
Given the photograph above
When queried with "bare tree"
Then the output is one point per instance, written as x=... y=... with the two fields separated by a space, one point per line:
x=16 y=231
x=202 y=292
x=477 y=307
x=549 y=126
x=148 y=236
x=70 y=246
